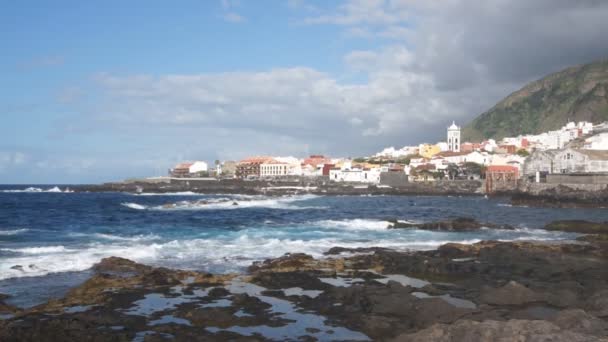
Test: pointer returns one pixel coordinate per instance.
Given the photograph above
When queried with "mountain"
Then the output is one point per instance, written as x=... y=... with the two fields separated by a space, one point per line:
x=579 y=93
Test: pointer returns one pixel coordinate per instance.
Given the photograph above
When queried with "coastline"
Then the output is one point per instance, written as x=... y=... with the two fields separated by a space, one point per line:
x=313 y=186
x=484 y=291
x=557 y=196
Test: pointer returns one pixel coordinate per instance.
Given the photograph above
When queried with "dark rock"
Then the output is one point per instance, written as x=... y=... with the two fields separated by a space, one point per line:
x=513 y=293
x=580 y=321
x=578 y=226
x=457 y=224
x=340 y=250
x=598 y=303
x=491 y=331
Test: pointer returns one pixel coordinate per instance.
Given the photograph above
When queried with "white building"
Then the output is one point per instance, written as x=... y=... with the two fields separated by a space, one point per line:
x=482 y=158
x=355 y=175
x=274 y=169
x=198 y=166
x=294 y=167
x=581 y=161
x=443 y=146
x=509 y=159
x=454 y=138
x=597 y=142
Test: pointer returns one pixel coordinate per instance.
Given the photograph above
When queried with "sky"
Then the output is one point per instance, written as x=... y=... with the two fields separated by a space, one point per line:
x=103 y=91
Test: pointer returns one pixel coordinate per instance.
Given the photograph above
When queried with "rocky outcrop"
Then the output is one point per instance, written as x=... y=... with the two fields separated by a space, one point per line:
x=561 y=196
x=498 y=331
x=488 y=291
x=578 y=226
x=459 y=224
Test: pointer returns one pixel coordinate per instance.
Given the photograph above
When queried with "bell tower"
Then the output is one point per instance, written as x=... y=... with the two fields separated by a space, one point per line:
x=454 y=138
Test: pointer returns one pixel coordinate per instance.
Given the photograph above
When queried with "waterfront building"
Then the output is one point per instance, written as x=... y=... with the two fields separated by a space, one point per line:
x=540 y=162
x=251 y=167
x=572 y=160
x=190 y=169
x=274 y=169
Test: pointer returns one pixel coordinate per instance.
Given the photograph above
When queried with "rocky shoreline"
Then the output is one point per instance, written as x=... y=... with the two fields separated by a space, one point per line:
x=315 y=186
x=561 y=196
x=488 y=291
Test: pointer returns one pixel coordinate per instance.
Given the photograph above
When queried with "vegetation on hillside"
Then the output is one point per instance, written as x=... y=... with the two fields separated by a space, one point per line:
x=579 y=93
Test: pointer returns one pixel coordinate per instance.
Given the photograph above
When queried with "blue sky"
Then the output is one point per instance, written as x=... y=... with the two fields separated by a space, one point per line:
x=103 y=91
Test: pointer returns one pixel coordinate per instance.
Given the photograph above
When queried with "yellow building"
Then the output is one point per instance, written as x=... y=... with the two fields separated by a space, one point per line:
x=427 y=150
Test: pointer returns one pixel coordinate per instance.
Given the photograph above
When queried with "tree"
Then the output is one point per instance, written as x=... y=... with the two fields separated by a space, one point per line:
x=452 y=171
x=523 y=153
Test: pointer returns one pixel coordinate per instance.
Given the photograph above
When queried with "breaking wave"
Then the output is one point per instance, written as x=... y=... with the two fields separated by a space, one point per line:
x=233 y=252
x=237 y=202
x=54 y=189
x=12 y=231
x=353 y=224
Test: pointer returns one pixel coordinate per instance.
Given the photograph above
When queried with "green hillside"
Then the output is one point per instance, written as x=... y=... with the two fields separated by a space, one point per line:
x=577 y=93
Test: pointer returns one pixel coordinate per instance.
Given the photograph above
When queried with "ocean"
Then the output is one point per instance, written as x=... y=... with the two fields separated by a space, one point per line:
x=50 y=237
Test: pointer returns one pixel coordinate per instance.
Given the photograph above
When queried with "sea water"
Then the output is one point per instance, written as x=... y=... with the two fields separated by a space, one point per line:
x=50 y=237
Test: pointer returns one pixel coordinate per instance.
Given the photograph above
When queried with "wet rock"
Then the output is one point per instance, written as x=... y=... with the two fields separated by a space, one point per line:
x=340 y=250
x=288 y=262
x=578 y=226
x=513 y=293
x=496 y=331
x=598 y=303
x=283 y=280
x=456 y=224
x=580 y=321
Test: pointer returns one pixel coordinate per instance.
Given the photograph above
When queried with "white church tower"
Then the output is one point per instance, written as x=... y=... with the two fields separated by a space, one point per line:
x=454 y=138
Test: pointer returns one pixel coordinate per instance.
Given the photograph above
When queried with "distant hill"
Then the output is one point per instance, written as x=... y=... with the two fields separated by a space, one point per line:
x=579 y=93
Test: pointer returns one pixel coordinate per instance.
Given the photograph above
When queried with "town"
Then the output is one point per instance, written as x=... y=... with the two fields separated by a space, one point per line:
x=575 y=154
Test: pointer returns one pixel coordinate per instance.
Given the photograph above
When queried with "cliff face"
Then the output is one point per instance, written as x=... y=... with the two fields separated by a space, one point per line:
x=579 y=93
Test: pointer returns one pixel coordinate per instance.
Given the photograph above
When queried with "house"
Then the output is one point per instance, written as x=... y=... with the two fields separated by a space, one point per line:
x=181 y=170
x=541 y=162
x=226 y=168
x=251 y=167
x=190 y=169
x=501 y=177
x=427 y=150
x=355 y=175
x=597 y=142
x=581 y=161
x=470 y=147
x=424 y=173
x=509 y=159
x=313 y=165
x=506 y=149
x=274 y=168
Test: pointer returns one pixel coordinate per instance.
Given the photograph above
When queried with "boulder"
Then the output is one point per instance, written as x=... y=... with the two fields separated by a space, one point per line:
x=513 y=293
x=496 y=331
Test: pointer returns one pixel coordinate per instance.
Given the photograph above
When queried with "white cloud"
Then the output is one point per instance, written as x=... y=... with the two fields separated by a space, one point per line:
x=229 y=8
x=444 y=61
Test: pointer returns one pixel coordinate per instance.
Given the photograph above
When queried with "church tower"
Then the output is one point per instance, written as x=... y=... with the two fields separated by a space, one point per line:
x=454 y=138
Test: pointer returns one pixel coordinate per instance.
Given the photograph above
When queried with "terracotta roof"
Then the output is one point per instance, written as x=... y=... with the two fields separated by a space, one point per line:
x=502 y=168
x=315 y=160
x=183 y=165
x=256 y=160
